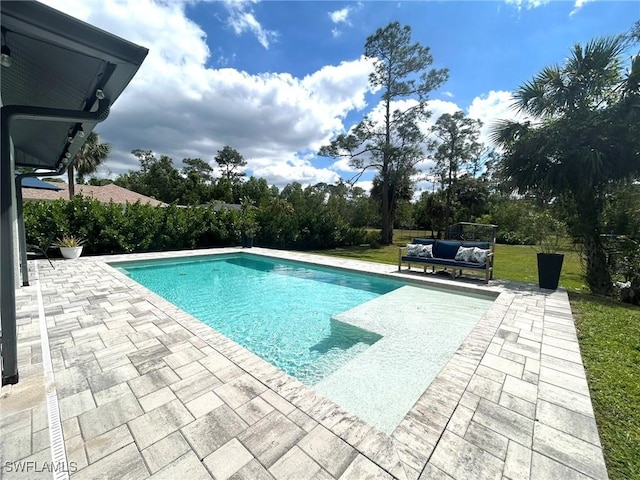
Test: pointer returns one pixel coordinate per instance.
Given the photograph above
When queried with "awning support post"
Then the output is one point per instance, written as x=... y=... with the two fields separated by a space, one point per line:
x=22 y=235
x=9 y=344
x=7 y=281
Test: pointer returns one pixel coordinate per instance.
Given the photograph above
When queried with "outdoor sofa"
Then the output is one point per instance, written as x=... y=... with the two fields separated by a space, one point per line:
x=453 y=255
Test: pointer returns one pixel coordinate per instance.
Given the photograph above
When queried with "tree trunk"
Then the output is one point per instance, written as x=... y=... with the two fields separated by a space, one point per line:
x=387 y=217
x=598 y=275
x=386 y=211
x=70 y=179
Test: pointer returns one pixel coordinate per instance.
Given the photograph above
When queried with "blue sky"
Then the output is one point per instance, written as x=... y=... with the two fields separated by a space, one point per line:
x=277 y=80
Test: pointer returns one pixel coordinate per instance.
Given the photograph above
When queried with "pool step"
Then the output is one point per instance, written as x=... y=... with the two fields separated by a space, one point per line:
x=421 y=329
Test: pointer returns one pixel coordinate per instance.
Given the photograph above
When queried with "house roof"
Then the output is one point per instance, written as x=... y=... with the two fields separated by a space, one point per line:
x=105 y=194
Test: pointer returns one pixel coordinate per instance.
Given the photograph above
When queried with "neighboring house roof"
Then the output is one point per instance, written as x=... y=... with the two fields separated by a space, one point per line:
x=104 y=194
x=229 y=206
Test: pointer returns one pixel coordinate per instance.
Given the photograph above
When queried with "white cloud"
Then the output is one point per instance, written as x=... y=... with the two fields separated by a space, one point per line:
x=282 y=172
x=440 y=107
x=242 y=19
x=177 y=106
x=528 y=4
x=578 y=5
x=489 y=108
x=340 y=16
x=366 y=185
x=342 y=165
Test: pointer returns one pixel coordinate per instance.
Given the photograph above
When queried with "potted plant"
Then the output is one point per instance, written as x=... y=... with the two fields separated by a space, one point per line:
x=248 y=222
x=549 y=234
x=70 y=246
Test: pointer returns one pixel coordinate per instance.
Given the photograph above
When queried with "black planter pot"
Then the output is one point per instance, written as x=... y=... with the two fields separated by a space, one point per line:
x=549 y=268
x=247 y=242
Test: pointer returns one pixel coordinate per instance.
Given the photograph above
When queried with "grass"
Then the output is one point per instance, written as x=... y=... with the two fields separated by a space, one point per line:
x=609 y=335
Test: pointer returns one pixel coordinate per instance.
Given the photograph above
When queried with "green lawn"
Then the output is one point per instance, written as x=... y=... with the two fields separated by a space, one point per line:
x=609 y=335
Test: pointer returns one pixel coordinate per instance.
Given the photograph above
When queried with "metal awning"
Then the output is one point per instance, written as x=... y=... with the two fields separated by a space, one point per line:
x=59 y=62
x=63 y=77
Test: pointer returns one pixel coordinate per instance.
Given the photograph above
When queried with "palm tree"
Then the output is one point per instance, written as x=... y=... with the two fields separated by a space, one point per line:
x=582 y=137
x=91 y=155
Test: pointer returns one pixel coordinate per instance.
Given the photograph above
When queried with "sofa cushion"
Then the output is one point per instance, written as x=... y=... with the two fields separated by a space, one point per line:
x=413 y=249
x=426 y=251
x=464 y=254
x=479 y=255
x=483 y=245
x=448 y=262
x=446 y=249
x=424 y=241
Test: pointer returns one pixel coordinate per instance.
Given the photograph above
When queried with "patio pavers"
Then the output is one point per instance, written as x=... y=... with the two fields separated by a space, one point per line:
x=147 y=391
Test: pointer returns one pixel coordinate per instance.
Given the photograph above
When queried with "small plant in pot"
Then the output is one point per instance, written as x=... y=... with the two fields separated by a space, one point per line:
x=549 y=234
x=70 y=246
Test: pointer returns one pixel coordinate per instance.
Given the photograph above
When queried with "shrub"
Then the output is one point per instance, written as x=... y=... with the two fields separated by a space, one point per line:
x=116 y=228
x=624 y=262
x=513 y=220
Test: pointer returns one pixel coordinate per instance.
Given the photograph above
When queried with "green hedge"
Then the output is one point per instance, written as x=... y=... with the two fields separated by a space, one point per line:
x=116 y=228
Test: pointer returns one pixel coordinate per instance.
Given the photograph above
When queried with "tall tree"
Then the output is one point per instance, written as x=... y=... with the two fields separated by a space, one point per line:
x=91 y=155
x=456 y=148
x=471 y=195
x=395 y=143
x=199 y=178
x=157 y=178
x=400 y=189
x=197 y=169
x=585 y=136
x=257 y=189
x=230 y=163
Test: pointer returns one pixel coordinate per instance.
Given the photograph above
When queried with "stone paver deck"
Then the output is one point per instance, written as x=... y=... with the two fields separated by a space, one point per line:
x=144 y=390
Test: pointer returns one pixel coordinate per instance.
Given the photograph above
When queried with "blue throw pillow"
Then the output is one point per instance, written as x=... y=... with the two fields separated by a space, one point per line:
x=446 y=249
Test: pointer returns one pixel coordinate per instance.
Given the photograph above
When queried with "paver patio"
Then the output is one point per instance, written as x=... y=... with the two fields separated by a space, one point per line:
x=140 y=389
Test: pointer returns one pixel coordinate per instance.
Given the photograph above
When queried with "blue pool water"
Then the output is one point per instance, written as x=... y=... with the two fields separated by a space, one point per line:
x=279 y=310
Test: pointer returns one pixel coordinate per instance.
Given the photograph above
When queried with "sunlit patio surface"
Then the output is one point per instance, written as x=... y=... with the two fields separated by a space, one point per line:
x=115 y=382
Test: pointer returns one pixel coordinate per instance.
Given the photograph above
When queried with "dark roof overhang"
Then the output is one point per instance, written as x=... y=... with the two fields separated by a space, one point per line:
x=64 y=76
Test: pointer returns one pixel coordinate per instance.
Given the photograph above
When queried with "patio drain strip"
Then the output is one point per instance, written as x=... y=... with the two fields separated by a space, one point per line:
x=60 y=466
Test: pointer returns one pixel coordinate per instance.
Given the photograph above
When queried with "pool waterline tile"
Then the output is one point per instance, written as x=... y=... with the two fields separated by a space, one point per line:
x=445 y=393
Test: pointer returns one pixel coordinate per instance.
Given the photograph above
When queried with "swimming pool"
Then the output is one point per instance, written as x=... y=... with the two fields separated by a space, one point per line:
x=369 y=343
x=281 y=311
